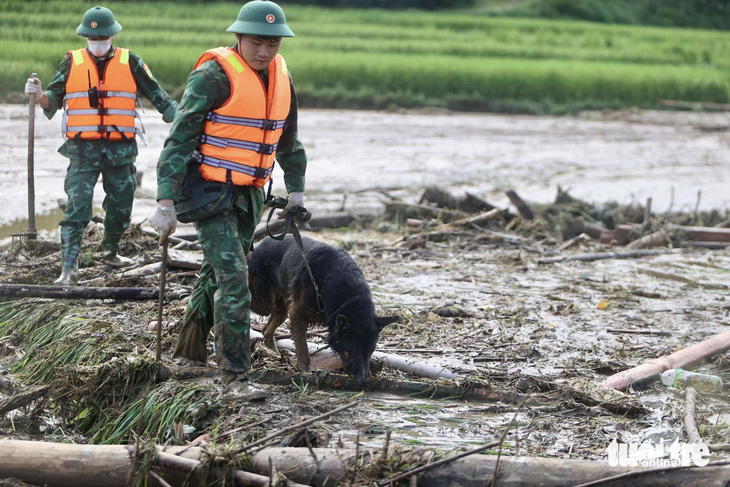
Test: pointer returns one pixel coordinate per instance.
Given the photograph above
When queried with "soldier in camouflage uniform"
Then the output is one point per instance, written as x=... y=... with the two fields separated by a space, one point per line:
x=221 y=298
x=114 y=160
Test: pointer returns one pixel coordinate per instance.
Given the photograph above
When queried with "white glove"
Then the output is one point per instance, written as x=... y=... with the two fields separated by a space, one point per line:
x=295 y=199
x=164 y=221
x=33 y=87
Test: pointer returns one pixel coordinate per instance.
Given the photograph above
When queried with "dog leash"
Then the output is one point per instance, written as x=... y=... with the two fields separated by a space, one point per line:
x=296 y=214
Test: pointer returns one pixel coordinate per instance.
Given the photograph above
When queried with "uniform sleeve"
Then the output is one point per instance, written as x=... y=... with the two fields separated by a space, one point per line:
x=151 y=89
x=207 y=87
x=56 y=89
x=290 y=153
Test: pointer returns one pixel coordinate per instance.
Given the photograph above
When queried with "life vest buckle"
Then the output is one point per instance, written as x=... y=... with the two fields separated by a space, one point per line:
x=268 y=125
x=261 y=173
x=267 y=149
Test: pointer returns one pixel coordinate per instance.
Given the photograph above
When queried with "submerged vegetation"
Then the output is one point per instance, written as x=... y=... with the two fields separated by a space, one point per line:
x=376 y=58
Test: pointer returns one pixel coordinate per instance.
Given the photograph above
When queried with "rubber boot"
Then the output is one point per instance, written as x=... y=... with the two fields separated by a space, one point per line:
x=109 y=257
x=68 y=277
x=238 y=389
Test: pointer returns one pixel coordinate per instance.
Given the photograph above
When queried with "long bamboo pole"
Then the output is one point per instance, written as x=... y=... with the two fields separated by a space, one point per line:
x=61 y=465
x=680 y=359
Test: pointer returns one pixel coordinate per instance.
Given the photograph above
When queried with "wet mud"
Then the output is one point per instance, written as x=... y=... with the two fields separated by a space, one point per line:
x=512 y=324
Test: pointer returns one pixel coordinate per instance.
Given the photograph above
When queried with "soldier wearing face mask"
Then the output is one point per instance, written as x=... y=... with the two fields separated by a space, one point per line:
x=98 y=88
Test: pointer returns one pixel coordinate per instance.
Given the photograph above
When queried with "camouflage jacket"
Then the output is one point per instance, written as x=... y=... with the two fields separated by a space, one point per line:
x=208 y=88
x=112 y=153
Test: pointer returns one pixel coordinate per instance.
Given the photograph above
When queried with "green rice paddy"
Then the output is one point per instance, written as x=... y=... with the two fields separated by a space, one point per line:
x=377 y=59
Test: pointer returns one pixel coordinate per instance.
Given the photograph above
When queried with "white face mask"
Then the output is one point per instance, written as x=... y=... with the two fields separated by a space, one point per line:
x=99 y=48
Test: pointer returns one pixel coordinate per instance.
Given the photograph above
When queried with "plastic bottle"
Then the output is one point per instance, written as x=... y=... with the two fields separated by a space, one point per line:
x=680 y=378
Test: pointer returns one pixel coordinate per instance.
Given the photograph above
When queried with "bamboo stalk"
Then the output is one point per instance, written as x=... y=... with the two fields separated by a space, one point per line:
x=690 y=421
x=680 y=359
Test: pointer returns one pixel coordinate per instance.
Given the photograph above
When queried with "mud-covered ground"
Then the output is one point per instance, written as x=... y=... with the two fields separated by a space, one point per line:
x=475 y=301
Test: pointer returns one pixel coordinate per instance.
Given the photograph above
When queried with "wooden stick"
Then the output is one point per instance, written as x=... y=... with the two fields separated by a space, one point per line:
x=501 y=442
x=168 y=460
x=32 y=232
x=639 y=332
x=690 y=422
x=23 y=399
x=437 y=463
x=608 y=255
x=294 y=426
x=161 y=300
x=159 y=479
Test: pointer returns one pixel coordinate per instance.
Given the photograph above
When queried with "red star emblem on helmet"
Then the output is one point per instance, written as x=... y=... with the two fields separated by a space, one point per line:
x=270 y=18
x=93 y=25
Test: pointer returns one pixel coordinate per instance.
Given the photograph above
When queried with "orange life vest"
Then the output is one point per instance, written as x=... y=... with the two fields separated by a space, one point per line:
x=240 y=138
x=95 y=109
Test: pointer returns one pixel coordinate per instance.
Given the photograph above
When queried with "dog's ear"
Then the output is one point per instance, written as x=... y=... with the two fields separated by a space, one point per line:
x=383 y=321
x=341 y=322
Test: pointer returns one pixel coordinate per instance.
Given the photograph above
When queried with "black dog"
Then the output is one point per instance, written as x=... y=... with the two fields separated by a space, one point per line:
x=280 y=285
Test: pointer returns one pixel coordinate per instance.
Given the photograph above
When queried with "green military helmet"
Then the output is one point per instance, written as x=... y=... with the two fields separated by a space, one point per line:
x=261 y=18
x=98 y=22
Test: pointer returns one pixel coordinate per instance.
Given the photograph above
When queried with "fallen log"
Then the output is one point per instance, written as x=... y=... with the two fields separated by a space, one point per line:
x=331 y=468
x=683 y=359
x=71 y=465
x=619 y=235
x=632 y=254
x=703 y=234
x=656 y=239
x=74 y=292
x=67 y=465
x=522 y=207
x=706 y=245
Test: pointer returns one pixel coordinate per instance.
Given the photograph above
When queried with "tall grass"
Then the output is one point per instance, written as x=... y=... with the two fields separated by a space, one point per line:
x=376 y=58
x=99 y=385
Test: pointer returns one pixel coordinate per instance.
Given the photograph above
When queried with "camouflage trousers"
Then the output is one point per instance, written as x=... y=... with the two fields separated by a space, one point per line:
x=119 y=184
x=221 y=299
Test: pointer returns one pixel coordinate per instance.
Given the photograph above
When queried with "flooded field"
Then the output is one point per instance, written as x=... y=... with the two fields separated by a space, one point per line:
x=615 y=156
x=513 y=325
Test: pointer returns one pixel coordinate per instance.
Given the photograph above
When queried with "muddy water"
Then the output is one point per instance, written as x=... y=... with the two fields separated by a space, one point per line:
x=622 y=156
